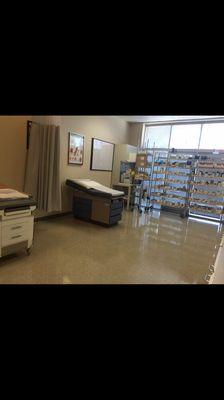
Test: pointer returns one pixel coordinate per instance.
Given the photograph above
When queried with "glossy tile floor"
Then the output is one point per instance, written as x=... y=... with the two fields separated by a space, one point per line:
x=147 y=248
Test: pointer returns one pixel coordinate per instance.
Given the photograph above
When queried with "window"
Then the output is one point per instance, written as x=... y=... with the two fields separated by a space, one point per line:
x=212 y=137
x=185 y=136
x=157 y=136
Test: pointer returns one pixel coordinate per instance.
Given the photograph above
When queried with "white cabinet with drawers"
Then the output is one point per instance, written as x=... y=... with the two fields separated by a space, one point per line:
x=16 y=231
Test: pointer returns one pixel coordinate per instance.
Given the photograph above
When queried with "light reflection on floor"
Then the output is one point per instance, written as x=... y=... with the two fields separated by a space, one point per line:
x=147 y=248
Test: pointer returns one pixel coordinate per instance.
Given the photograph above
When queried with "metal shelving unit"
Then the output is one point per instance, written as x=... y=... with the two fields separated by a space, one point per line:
x=173 y=173
x=207 y=193
x=188 y=182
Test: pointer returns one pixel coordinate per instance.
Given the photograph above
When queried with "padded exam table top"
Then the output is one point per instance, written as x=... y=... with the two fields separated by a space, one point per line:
x=10 y=198
x=94 y=188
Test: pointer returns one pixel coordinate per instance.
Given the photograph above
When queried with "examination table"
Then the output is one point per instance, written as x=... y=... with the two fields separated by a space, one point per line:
x=95 y=202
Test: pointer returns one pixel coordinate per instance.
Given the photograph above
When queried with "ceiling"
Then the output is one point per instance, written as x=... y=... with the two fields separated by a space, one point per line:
x=153 y=118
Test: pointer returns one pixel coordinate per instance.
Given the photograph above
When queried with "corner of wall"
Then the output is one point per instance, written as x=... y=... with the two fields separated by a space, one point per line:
x=135 y=132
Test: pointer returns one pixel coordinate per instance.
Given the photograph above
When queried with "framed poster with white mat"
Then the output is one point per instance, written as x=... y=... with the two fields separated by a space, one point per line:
x=102 y=155
x=75 y=149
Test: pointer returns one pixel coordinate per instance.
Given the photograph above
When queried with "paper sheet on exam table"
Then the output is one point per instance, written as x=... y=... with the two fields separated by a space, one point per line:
x=10 y=194
x=89 y=184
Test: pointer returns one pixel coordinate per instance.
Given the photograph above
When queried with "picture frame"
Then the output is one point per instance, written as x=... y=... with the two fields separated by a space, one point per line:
x=75 y=149
x=102 y=155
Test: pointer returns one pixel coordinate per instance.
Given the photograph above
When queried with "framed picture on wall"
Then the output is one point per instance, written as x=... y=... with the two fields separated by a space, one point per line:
x=75 y=149
x=102 y=155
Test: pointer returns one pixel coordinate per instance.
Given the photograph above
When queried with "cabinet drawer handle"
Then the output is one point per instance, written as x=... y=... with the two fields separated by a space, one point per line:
x=16 y=227
x=15 y=237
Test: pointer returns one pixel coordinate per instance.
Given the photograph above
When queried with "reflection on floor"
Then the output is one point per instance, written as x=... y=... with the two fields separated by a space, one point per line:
x=148 y=248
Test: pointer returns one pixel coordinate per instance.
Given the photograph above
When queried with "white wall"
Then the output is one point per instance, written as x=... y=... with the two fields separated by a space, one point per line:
x=13 y=150
x=135 y=132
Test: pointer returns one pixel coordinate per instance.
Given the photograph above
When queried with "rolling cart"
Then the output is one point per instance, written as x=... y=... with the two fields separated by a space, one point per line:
x=142 y=197
x=143 y=175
